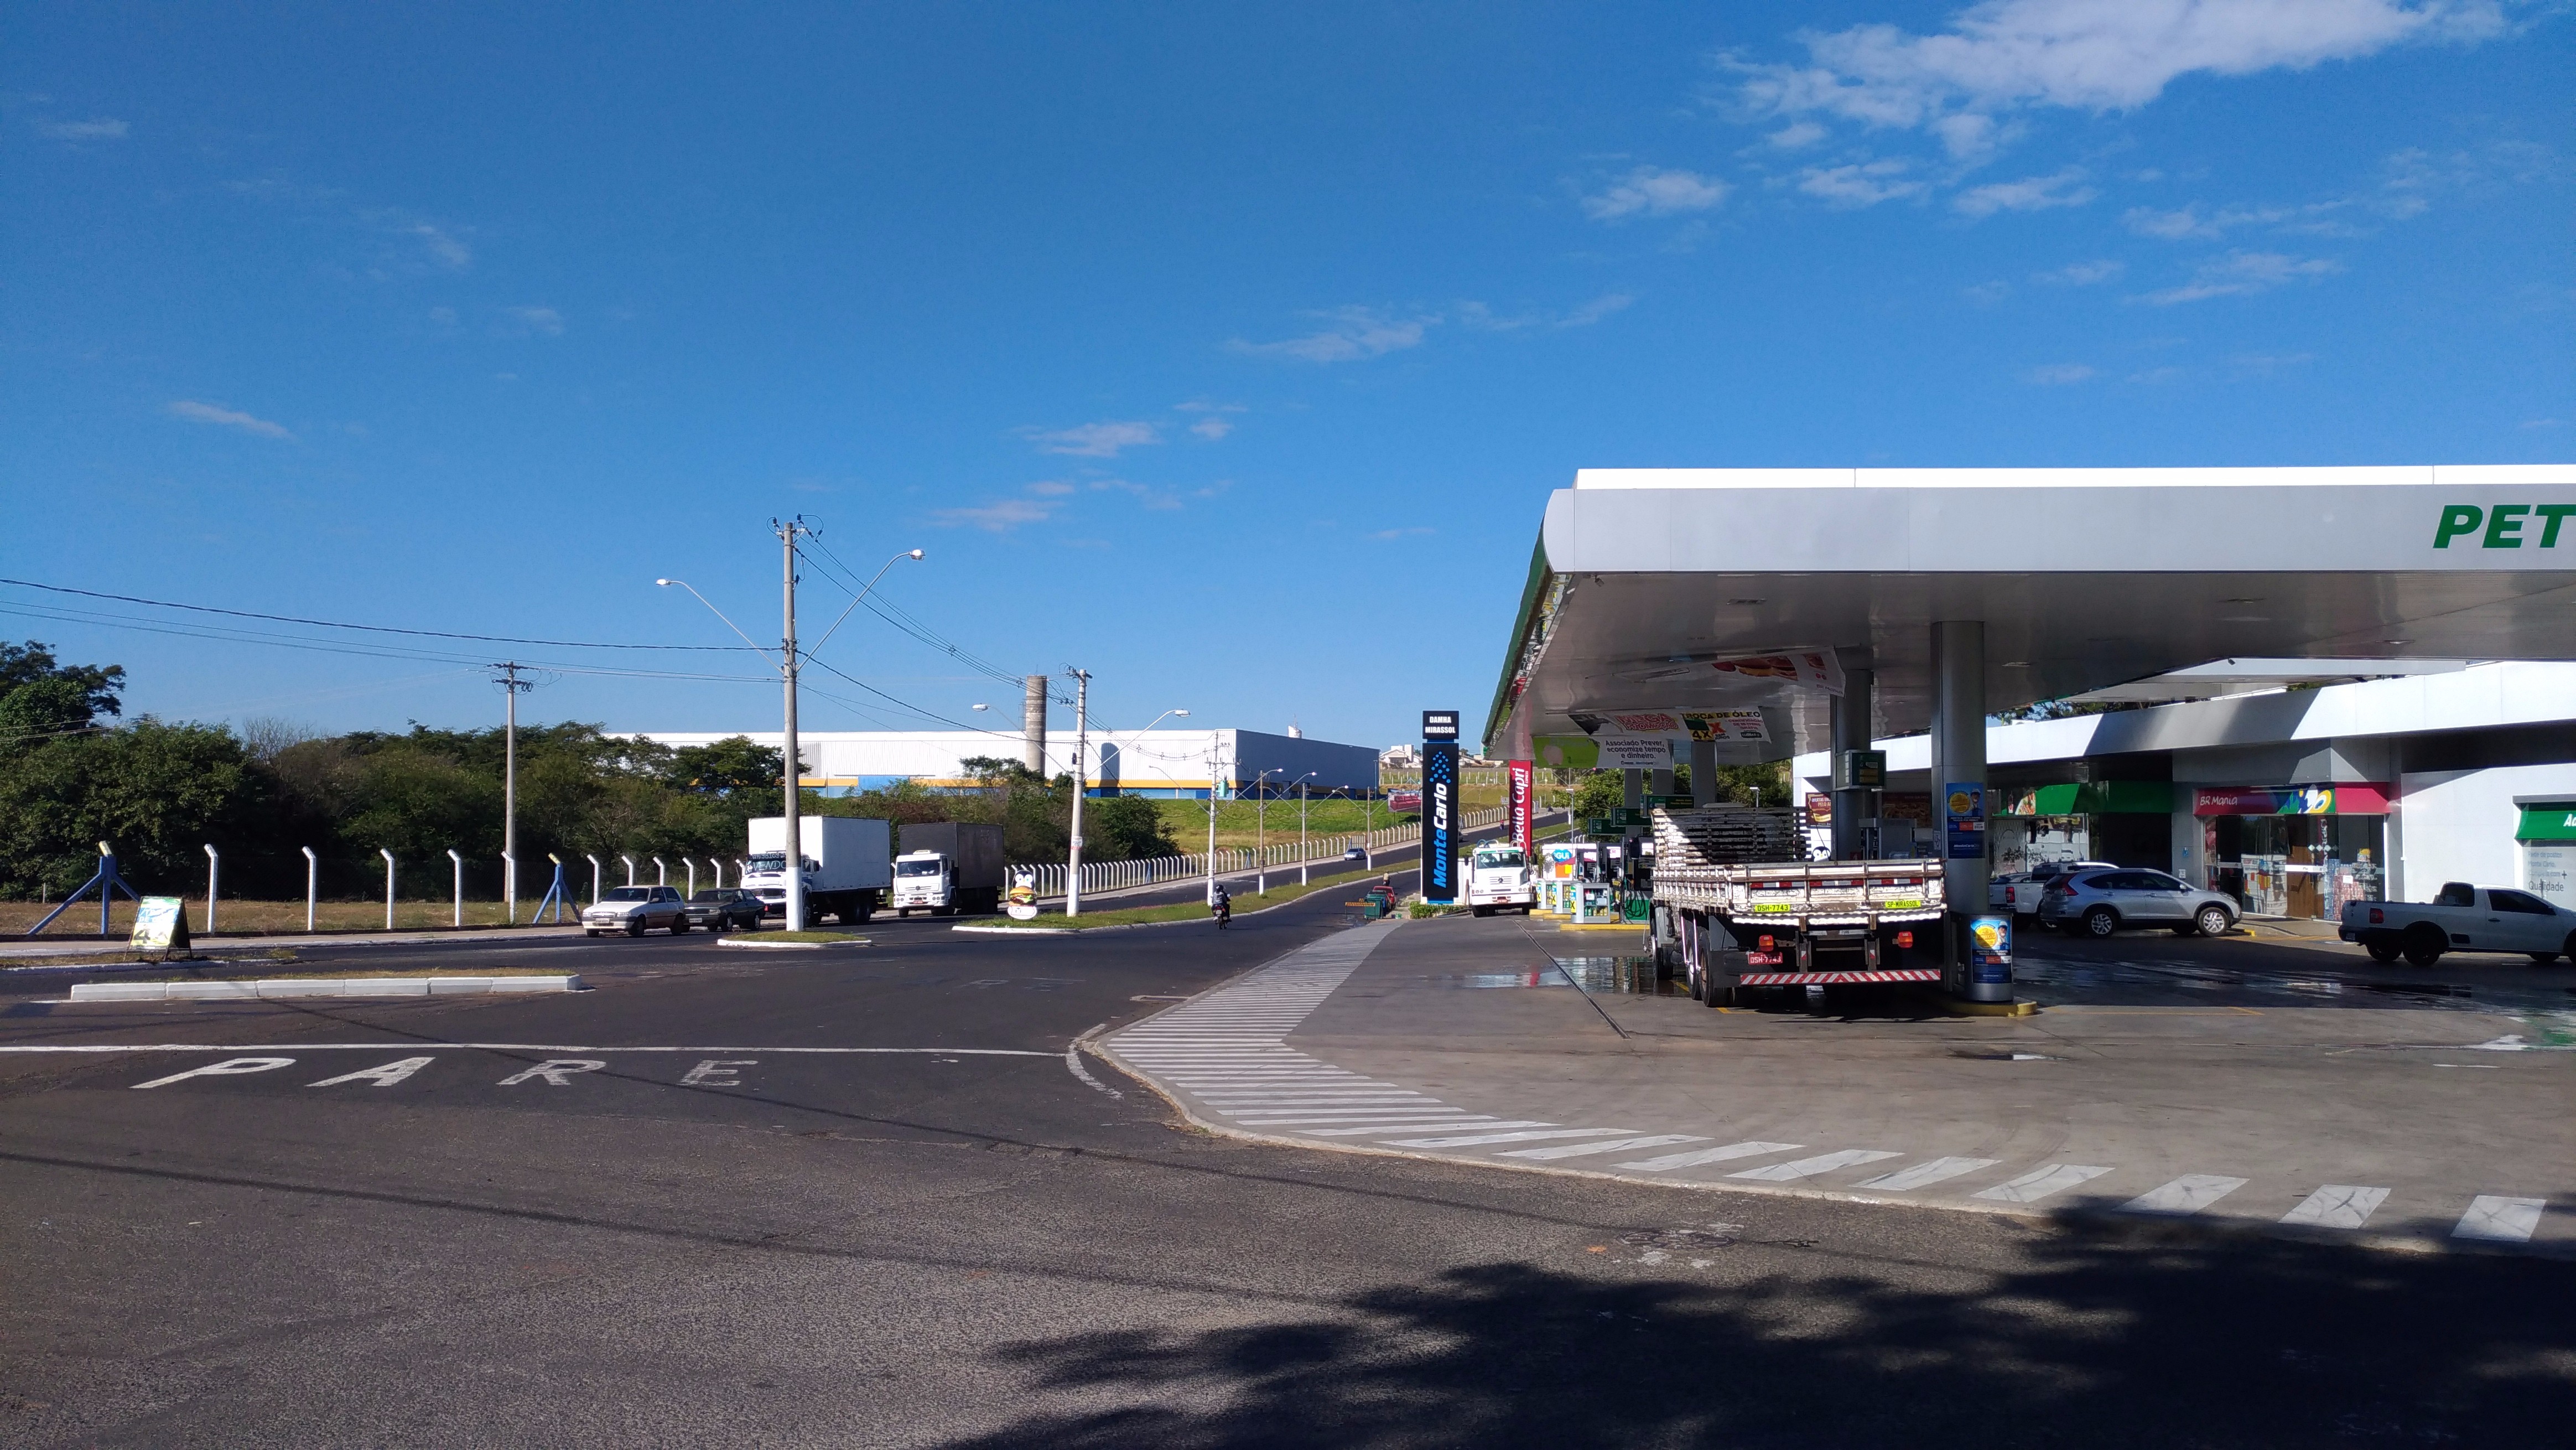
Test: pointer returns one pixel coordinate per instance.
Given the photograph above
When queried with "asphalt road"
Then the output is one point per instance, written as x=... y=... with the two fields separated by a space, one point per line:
x=952 y=1239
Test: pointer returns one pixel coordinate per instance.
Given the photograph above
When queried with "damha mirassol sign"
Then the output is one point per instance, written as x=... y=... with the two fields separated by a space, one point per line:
x=1439 y=805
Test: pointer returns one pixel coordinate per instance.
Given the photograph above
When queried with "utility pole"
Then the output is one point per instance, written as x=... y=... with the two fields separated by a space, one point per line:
x=512 y=686
x=1211 y=855
x=794 y=867
x=1081 y=749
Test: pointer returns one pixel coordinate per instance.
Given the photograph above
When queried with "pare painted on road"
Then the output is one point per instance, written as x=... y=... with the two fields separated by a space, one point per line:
x=711 y=1072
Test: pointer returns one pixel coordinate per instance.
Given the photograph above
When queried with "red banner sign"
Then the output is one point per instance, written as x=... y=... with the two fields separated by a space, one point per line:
x=1524 y=783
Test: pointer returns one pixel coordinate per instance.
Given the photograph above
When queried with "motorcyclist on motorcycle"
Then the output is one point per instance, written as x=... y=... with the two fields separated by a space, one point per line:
x=1223 y=908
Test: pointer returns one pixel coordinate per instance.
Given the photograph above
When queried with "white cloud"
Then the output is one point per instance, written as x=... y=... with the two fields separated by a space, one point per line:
x=1858 y=184
x=1000 y=516
x=2260 y=364
x=2157 y=377
x=2082 y=274
x=442 y=247
x=544 y=321
x=1149 y=497
x=1796 y=136
x=2242 y=274
x=1214 y=424
x=1596 y=309
x=1355 y=333
x=2031 y=193
x=1098 y=440
x=2096 y=55
x=1485 y=319
x=1654 y=191
x=2058 y=375
x=1050 y=488
x=103 y=128
x=1987 y=294
x=446 y=317
x=1211 y=428
x=196 y=412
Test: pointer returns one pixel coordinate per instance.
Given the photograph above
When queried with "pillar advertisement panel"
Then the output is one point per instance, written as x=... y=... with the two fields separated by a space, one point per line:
x=1440 y=820
x=1967 y=823
x=1523 y=775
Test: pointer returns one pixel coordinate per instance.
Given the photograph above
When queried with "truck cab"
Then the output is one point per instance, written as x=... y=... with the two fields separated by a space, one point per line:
x=764 y=875
x=925 y=881
x=1499 y=875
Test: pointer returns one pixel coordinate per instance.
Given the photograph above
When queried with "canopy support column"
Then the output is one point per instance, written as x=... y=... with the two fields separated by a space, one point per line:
x=1849 y=726
x=1959 y=767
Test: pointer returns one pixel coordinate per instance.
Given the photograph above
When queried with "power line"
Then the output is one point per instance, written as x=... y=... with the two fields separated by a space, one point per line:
x=900 y=618
x=338 y=624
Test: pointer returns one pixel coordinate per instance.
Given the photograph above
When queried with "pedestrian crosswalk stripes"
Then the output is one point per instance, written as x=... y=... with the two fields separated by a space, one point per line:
x=1227 y=1055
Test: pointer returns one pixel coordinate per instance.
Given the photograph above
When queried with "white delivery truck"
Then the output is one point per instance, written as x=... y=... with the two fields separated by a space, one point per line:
x=1737 y=910
x=848 y=865
x=1499 y=876
x=948 y=867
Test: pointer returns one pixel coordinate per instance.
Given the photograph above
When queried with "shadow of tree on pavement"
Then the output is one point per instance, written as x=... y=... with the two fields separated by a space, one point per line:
x=2081 y=1342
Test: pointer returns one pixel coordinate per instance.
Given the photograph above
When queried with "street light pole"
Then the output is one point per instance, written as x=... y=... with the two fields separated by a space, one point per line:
x=511 y=685
x=1261 y=833
x=1304 y=851
x=1081 y=771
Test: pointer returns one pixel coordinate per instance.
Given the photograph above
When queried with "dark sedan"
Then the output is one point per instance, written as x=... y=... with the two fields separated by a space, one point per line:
x=724 y=908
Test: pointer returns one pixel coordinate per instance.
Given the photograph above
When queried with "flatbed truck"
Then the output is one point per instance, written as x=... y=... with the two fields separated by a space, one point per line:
x=1737 y=911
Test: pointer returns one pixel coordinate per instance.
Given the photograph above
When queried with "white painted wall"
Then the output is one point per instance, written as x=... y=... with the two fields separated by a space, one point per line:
x=2458 y=825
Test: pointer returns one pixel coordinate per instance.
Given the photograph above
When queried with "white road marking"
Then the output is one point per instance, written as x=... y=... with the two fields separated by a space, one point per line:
x=1699 y=1156
x=1249 y=1114
x=229 y=1067
x=2337 y=1205
x=2040 y=1182
x=1073 y=1064
x=2188 y=1194
x=1924 y=1175
x=1810 y=1167
x=2500 y=1220
x=718 y=1072
x=504 y=1047
x=1390 y=1130
x=1482 y=1138
x=1615 y=1145
x=385 y=1076
x=557 y=1071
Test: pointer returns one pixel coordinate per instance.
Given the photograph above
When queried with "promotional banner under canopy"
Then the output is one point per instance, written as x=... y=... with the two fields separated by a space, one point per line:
x=1807 y=668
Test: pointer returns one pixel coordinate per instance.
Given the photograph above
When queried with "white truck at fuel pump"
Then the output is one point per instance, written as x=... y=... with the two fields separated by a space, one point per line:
x=848 y=864
x=1736 y=909
x=1499 y=877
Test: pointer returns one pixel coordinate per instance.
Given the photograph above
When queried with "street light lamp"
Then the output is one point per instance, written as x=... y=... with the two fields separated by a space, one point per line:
x=790 y=768
x=1261 y=831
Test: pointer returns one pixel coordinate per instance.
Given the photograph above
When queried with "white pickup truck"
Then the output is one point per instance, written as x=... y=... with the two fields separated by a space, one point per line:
x=2463 y=918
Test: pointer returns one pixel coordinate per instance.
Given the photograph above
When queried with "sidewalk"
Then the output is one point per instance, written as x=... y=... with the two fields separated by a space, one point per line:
x=1455 y=1038
x=112 y=949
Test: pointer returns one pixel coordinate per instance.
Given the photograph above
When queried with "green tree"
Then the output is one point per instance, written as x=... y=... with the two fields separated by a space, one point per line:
x=1125 y=828
x=158 y=793
x=42 y=697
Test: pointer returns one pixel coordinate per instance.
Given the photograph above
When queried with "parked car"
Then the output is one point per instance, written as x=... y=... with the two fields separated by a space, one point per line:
x=2463 y=918
x=2021 y=890
x=725 y=908
x=635 y=910
x=2099 y=903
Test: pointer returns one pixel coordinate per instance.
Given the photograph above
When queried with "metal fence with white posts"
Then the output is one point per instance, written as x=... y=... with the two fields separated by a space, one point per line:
x=1100 y=876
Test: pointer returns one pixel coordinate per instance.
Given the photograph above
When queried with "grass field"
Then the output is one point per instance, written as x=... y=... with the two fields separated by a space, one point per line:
x=1235 y=820
x=248 y=918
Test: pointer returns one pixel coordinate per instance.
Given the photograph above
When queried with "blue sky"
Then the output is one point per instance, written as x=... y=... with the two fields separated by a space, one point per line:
x=1228 y=351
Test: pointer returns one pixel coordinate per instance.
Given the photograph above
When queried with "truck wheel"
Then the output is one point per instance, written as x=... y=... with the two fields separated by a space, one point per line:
x=2212 y=921
x=2424 y=946
x=901 y=912
x=1481 y=910
x=2101 y=921
x=590 y=933
x=2382 y=947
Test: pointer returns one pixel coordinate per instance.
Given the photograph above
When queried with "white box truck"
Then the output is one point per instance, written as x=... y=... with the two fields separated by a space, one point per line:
x=849 y=865
x=948 y=867
x=1499 y=877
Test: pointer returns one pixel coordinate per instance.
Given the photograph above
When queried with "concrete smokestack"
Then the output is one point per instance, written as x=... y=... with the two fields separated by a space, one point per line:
x=1033 y=725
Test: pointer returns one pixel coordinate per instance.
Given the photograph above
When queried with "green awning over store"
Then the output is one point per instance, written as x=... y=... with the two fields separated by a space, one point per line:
x=2555 y=821
x=2149 y=797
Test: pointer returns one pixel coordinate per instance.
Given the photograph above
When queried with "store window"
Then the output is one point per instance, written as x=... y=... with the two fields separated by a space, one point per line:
x=2298 y=858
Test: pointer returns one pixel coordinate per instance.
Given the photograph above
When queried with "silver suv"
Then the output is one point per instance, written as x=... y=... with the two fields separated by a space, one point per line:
x=2098 y=903
x=635 y=910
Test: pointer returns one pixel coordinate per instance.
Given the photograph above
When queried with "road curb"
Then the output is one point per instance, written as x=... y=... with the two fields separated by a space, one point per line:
x=268 y=988
x=788 y=946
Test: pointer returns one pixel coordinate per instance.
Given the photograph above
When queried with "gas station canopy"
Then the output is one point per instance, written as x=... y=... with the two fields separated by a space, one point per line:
x=1664 y=591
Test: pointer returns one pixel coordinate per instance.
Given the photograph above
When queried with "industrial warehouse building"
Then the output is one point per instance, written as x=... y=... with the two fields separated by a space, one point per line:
x=1184 y=764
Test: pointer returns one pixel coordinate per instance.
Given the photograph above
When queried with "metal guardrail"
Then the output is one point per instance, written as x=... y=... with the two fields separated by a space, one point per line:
x=1099 y=876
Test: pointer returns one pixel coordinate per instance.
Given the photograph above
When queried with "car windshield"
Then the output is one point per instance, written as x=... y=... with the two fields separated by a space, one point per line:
x=767 y=861
x=725 y=895
x=1499 y=859
x=628 y=893
x=916 y=868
